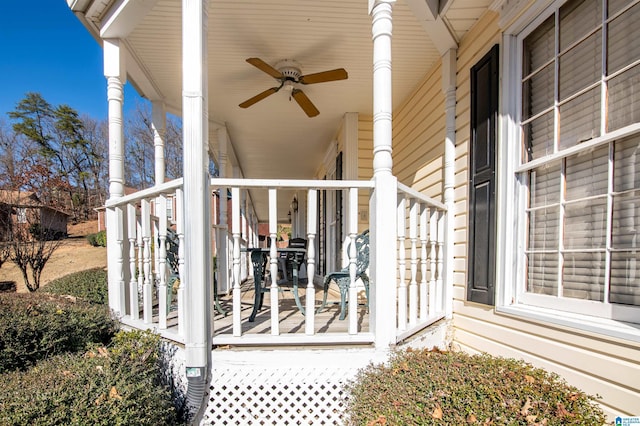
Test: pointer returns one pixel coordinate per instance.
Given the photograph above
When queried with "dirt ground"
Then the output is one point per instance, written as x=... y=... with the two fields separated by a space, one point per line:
x=75 y=254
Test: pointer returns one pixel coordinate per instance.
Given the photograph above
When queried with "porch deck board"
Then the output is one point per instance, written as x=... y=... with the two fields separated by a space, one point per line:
x=291 y=319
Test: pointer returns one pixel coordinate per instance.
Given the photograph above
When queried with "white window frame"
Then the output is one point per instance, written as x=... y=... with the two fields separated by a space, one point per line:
x=21 y=215
x=614 y=320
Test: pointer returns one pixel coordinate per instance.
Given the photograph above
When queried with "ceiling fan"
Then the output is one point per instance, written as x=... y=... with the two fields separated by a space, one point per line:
x=288 y=74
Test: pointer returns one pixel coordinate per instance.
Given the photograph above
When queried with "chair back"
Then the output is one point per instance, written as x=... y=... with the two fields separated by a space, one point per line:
x=172 y=243
x=362 y=252
x=297 y=243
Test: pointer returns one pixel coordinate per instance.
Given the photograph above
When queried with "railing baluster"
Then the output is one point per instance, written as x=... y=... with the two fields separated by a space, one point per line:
x=273 y=253
x=162 y=261
x=140 y=271
x=402 y=284
x=155 y=232
x=235 y=230
x=413 y=285
x=353 y=257
x=433 y=227
x=147 y=290
x=424 y=294
x=179 y=218
x=312 y=211
x=440 y=272
x=134 y=309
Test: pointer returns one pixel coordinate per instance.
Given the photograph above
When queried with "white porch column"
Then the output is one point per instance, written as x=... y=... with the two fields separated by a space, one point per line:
x=115 y=72
x=197 y=230
x=223 y=232
x=383 y=213
x=449 y=66
x=159 y=126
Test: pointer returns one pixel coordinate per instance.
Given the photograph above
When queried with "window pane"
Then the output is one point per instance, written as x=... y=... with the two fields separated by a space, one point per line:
x=585 y=224
x=622 y=44
x=538 y=136
x=543 y=229
x=626 y=221
x=624 y=99
x=544 y=185
x=542 y=273
x=581 y=66
x=580 y=119
x=583 y=276
x=577 y=18
x=538 y=92
x=626 y=170
x=586 y=174
x=625 y=278
x=539 y=46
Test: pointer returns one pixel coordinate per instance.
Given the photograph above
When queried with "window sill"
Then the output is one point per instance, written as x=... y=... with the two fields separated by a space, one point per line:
x=607 y=327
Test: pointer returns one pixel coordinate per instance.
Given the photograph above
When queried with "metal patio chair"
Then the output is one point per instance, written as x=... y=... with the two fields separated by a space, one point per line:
x=342 y=278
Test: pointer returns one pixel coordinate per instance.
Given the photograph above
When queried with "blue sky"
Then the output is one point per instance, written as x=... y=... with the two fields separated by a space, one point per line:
x=44 y=48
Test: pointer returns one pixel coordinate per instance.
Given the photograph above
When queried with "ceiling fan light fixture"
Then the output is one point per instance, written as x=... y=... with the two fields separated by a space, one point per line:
x=287 y=86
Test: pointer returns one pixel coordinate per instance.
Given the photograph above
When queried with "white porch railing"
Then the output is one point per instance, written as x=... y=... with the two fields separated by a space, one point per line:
x=149 y=302
x=421 y=289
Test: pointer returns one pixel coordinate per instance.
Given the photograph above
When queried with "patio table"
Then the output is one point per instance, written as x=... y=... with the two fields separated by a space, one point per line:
x=259 y=260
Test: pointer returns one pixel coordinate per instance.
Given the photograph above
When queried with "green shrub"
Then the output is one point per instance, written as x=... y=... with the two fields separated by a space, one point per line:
x=90 y=285
x=99 y=239
x=115 y=386
x=35 y=326
x=430 y=387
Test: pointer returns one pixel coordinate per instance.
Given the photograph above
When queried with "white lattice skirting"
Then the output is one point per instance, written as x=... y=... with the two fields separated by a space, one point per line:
x=282 y=387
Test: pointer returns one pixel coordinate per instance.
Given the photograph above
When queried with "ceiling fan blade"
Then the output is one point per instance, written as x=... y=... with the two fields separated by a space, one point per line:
x=265 y=67
x=305 y=103
x=321 y=77
x=258 y=97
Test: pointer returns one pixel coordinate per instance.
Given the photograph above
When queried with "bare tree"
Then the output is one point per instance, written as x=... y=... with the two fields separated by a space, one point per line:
x=5 y=252
x=96 y=136
x=30 y=249
x=140 y=156
x=8 y=155
x=173 y=147
x=30 y=233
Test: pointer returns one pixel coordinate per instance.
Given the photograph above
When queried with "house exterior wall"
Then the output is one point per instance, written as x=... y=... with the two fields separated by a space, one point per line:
x=54 y=220
x=596 y=363
x=365 y=166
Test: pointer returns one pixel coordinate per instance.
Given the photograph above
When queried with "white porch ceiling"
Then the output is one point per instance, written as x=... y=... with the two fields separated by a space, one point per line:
x=274 y=138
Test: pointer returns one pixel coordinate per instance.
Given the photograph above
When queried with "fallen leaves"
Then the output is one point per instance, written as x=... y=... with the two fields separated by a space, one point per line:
x=381 y=420
x=561 y=410
x=113 y=394
x=437 y=412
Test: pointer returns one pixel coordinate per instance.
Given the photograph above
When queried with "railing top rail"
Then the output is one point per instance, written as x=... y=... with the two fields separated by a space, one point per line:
x=290 y=183
x=423 y=198
x=165 y=188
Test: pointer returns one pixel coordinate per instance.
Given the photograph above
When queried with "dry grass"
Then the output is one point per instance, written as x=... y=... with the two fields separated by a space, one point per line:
x=75 y=254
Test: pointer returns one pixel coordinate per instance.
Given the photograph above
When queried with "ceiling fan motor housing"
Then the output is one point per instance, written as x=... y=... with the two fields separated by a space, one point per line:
x=289 y=69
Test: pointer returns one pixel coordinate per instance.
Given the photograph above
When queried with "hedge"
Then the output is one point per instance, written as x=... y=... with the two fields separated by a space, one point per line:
x=35 y=326
x=119 y=385
x=453 y=388
x=90 y=285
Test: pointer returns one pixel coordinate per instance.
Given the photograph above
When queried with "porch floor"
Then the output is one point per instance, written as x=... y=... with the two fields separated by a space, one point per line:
x=291 y=319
